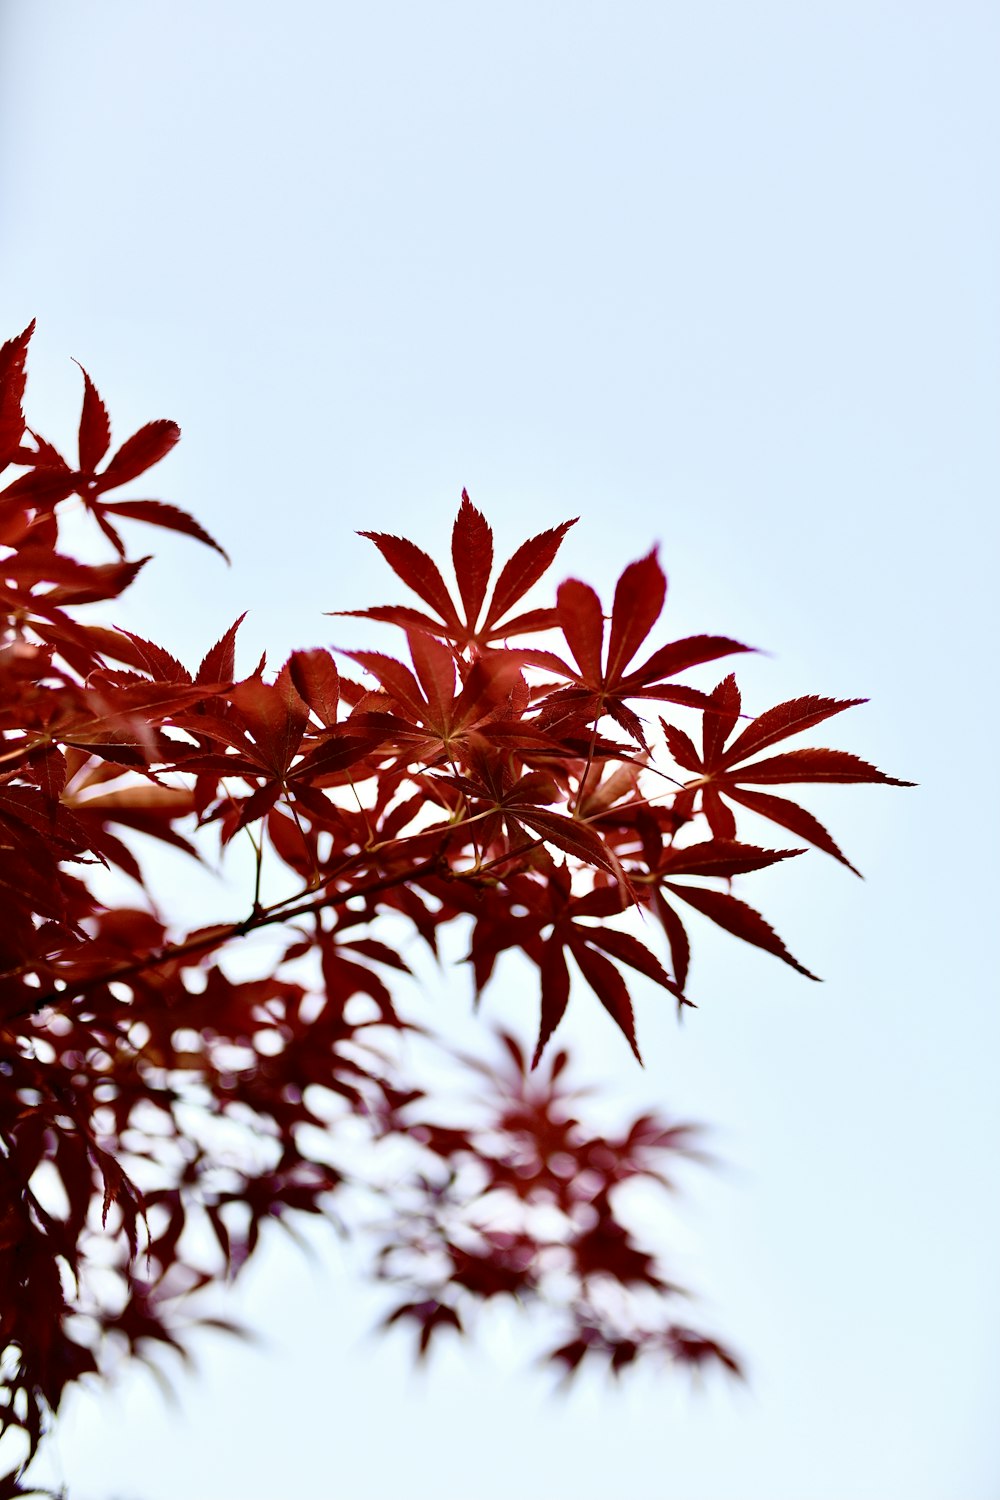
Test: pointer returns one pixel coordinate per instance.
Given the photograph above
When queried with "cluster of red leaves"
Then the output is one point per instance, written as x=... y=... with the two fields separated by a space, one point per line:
x=511 y=787
x=523 y=1206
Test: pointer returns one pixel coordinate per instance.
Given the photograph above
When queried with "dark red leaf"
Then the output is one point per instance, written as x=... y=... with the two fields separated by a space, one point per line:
x=525 y=568
x=610 y=988
x=813 y=765
x=396 y=614
x=219 y=664
x=681 y=747
x=789 y=815
x=536 y=787
x=380 y=952
x=153 y=659
x=431 y=1315
x=276 y=721
x=397 y=680
x=573 y=838
x=722 y=857
x=531 y=656
x=170 y=517
x=677 y=938
x=435 y=667
x=335 y=754
x=582 y=623
x=739 y=919
x=719 y=720
x=628 y=950
x=45 y=485
x=472 y=555
x=98 y=581
x=528 y=622
x=317 y=680
x=639 y=598
x=139 y=453
x=13 y=356
x=95 y=428
x=49 y=770
x=690 y=1348
x=247 y=811
x=721 y=818
x=418 y=571
x=602 y=901
x=781 y=721
x=570 y=1355
x=693 y=651
x=555 y=994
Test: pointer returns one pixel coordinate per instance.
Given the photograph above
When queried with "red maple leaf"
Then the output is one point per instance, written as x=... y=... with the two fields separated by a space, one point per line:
x=472 y=557
x=722 y=774
x=603 y=683
x=51 y=479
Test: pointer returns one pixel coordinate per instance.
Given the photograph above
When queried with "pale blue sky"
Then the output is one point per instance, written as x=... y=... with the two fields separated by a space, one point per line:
x=722 y=276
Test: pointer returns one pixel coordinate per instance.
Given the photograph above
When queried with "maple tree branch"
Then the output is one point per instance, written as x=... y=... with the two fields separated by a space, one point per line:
x=258 y=853
x=217 y=937
x=502 y=859
x=280 y=912
x=290 y=804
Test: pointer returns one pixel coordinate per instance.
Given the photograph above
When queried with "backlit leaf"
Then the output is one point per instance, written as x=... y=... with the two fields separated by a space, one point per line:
x=639 y=598
x=739 y=919
x=789 y=815
x=814 y=765
x=472 y=555
x=783 y=720
x=170 y=517
x=315 y=675
x=95 y=428
x=524 y=569
x=555 y=995
x=610 y=988
x=582 y=623
x=219 y=664
x=418 y=571
x=139 y=453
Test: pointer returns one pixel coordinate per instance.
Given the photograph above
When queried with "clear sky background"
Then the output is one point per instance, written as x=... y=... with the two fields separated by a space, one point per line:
x=719 y=275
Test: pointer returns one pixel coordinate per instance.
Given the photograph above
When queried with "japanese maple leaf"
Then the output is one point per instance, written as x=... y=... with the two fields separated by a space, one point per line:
x=36 y=586
x=522 y=803
x=597 y=953
x=116 y=716
x=51 y=479
x=12 y=381
x=718 y=858
x=431 y=710
x=264 y=735
x=257 y=738
x=521 y=918
x=723 y=775
x=472 y=556
x=602 y=684
x=539 y=914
